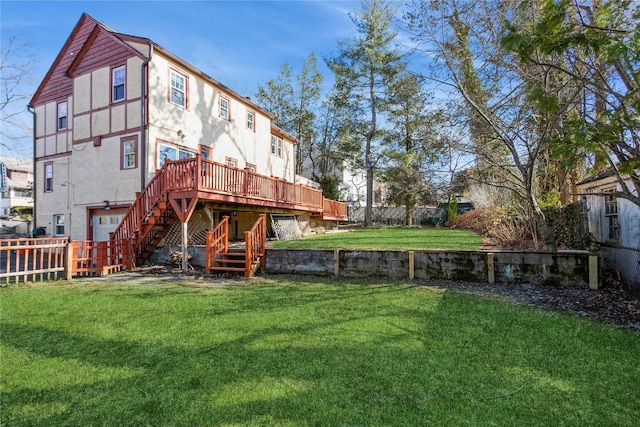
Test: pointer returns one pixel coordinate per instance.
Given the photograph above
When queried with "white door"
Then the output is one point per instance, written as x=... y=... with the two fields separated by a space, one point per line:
x=103 y=225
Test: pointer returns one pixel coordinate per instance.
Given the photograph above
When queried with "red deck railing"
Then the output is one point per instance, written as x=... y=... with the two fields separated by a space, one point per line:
x=255 y=241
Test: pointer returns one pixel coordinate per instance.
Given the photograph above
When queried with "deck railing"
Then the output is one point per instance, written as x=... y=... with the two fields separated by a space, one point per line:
x=255 y=241
x=217 y=242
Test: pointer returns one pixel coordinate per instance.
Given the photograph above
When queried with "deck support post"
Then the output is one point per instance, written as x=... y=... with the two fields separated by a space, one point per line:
x=185 y=239
x=184 y=208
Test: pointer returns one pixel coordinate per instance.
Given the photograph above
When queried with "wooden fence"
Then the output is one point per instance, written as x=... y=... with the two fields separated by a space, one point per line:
x=41 y=259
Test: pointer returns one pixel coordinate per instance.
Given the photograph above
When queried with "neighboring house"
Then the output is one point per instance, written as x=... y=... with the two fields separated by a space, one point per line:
x=119 y=119
x=614 y=222
x=16 y=185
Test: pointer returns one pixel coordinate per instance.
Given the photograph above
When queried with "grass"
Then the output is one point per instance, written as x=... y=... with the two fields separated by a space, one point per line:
x=389 y=238
x=290 y=352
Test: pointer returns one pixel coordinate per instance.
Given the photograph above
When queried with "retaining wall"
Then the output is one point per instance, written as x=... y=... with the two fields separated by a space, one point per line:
x=570 y=268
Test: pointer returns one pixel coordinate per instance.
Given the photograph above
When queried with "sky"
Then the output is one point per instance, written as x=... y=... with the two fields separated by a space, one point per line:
x=241 y=43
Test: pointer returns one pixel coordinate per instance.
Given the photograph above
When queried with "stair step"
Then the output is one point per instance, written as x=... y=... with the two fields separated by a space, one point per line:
x=229 y=269
x=224 y=262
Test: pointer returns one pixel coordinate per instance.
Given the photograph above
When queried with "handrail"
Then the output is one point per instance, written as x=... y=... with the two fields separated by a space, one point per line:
x=255 y=240
x=217 y=242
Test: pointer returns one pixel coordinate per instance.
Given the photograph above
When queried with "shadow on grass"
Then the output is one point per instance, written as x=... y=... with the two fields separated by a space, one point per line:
x=328 y=356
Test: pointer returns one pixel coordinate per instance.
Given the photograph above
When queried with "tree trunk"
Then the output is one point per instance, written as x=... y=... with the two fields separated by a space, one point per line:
x=408 y=214
x=368 y=210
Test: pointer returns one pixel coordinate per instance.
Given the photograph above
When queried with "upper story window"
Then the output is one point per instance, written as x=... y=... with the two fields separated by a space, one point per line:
x=250 y=167
x=62 y=115
x=251 y=121
x=117 y=84
x=224 y=108
x=48 y=177
x=612 y=226
x=276 y=146
x=178 y=90
x=129 y=152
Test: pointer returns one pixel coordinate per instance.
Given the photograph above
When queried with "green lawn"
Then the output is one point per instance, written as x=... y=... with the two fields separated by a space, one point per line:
x=388 y=238
x=312 y=352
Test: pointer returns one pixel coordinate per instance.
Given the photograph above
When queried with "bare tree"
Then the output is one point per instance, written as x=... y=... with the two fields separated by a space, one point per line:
x=15 y=68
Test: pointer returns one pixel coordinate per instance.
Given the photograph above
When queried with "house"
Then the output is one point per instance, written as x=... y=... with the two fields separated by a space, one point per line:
x=614 y=222
x=16 y=185
x=125 y=130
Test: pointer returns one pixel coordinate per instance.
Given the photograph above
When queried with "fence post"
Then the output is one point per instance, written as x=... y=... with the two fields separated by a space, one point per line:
x=412 y=260
x=70 y=251
x=491 y=273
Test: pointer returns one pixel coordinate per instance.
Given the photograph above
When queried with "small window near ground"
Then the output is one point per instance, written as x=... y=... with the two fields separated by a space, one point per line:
x=58 y=223
x=62 y=116
x=48 y=177
x=118 y=84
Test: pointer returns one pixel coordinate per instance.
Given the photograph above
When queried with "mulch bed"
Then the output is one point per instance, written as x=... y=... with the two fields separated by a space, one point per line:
x=614 y=305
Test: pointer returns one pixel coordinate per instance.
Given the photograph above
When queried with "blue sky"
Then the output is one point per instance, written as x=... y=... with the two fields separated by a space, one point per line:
x=240 y=43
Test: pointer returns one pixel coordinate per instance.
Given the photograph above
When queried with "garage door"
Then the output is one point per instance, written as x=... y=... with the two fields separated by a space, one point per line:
x=103 y=225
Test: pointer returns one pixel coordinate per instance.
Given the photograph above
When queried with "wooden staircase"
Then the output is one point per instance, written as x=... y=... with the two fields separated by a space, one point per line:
x=147 y=220
x=247 y=260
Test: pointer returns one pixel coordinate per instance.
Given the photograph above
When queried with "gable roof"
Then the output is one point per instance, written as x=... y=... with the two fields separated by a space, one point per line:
x=79 y=42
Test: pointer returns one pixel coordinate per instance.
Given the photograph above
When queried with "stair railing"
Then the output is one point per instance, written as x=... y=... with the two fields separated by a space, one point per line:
x=255 y=240
x=217 y=242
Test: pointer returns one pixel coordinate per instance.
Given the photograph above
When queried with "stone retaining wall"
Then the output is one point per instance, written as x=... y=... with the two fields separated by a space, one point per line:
x=570 y=268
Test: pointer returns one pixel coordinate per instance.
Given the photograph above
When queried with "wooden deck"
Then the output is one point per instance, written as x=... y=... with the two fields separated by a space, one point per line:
x=197 y=178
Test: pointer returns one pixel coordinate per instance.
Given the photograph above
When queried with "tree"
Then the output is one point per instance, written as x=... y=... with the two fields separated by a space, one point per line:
x=364 y=68
x=15 y=67
x=507 y=132
x=411 y=143
x=307 y=96
x=277 y=96
x=593 y=48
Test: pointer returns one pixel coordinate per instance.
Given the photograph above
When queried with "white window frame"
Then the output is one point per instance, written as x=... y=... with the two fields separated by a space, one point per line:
x=251 y=121
x=178 y=84
x=168 y=151
x=129 y=154
x=224 y=106
x=58 y=225
x=611 y=209
x=63 y=115
x=118 y=81
x=48 y=177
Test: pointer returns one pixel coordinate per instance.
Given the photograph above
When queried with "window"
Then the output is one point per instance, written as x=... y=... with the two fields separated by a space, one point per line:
x=117 y=84
x=48 y=177
x=251 y=121
x=276 y=146
x=172 y=152
x=129 y=158
x=178 y=88
x=62 y=115
x=279 y=147
x=58 y=224
x=224 y=108
x=231 y=162
x=250 y=168
x=612 y=226
x=205 y=152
